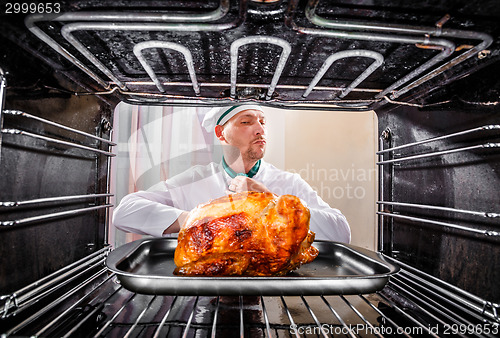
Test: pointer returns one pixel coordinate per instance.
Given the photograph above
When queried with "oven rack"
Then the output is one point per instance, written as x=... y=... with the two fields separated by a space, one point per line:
x=444 y=299
x=424 y=37
x=411 y=305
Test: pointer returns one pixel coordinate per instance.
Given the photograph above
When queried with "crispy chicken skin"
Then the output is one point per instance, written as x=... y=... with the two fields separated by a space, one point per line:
x=245 y=234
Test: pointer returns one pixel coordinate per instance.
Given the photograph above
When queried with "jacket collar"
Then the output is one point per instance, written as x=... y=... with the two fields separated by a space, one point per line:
x=251 y=173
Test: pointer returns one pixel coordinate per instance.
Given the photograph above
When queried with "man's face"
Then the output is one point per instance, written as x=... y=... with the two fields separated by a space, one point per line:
x=246 y=131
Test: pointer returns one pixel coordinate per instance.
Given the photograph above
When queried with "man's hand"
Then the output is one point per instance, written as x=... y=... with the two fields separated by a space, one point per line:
x=243 y=183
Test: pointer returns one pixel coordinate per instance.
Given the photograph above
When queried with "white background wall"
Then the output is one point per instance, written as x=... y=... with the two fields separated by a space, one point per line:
x=335 y=153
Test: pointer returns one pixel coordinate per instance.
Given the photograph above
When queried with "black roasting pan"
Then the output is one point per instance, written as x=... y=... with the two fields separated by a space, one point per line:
x=147 y=265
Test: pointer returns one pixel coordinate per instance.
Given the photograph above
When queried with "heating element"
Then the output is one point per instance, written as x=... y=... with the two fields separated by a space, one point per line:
x=267 y=72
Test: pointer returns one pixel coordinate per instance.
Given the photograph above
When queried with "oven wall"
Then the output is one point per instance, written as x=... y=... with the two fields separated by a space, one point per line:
x=32 y=169
x=467 y=180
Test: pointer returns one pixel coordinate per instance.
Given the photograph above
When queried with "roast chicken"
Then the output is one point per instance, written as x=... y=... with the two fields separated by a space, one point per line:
x=245 y=234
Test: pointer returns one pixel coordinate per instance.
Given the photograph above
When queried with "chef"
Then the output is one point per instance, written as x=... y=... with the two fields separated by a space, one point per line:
x=241 y=130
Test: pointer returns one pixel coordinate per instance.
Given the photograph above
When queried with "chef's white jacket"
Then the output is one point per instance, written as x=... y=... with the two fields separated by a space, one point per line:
x=151 y=212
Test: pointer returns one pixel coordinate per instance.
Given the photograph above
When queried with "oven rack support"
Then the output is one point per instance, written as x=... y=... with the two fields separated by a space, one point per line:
x=488 y=233
x=433 y=207
x=394 y=161
x=17 y=132
x=58 y=125
x=411 y=280
x=45 y=217
x=440 y=153
x=14 y=131
x=35 y=203
x=440 y=138
x=52 y=199
x=3 y=84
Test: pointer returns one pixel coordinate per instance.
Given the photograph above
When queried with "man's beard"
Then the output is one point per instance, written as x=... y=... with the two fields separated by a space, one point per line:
x=254 y=155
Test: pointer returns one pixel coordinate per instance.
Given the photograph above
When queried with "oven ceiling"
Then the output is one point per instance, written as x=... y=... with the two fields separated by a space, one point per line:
x=350 y=54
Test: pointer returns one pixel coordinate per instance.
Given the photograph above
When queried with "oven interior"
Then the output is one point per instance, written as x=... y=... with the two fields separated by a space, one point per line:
x=428 y=70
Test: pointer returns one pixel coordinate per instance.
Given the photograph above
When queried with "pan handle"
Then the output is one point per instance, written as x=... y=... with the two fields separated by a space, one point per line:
x=376 y=256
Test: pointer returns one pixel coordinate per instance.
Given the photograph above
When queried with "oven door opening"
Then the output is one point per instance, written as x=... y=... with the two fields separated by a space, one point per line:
x=332 y=151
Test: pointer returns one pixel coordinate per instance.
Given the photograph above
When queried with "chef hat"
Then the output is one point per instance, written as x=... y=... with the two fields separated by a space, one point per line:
x=220 y=115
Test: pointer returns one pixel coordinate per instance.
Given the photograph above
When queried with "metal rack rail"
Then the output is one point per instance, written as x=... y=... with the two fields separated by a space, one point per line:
x=489 y=233
x=12 y=131
x=58 y=125
x=433 y=207
x=440 y=138
x=45 y=217
x=11 y=204
x=3 y=84
x=440 y=153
